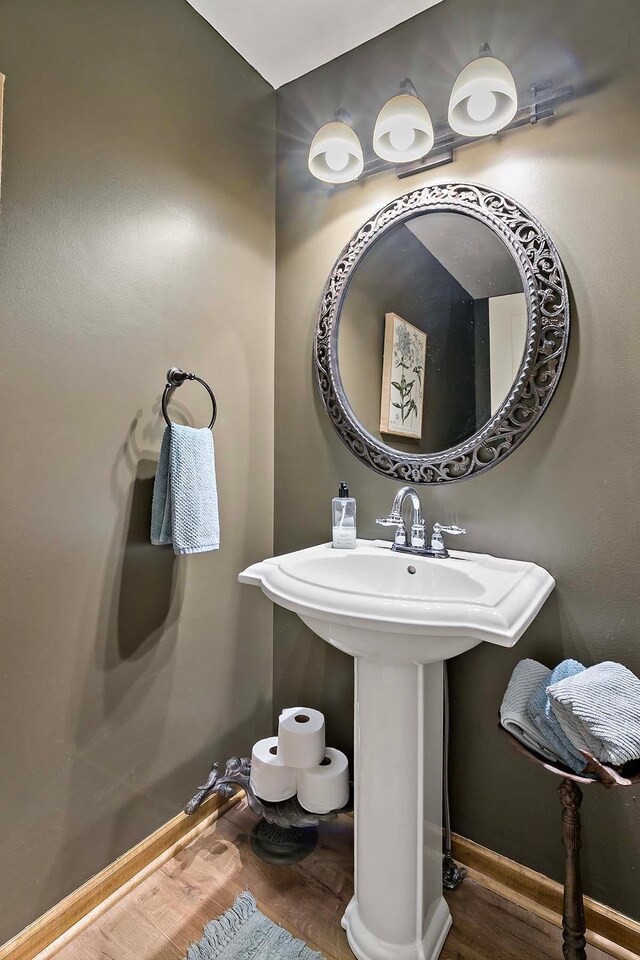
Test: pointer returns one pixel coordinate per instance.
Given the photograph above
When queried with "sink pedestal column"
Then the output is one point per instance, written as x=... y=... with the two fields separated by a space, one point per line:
x=398 y=911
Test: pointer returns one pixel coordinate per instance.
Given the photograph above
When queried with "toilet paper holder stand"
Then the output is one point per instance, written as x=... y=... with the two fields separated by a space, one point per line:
x=286 y=833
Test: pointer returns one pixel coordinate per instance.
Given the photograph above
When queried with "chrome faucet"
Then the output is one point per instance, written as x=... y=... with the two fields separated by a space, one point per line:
x=413 y=539
x=404 y=540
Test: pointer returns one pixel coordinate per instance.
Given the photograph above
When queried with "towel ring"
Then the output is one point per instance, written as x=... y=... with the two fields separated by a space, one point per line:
x=175 y=378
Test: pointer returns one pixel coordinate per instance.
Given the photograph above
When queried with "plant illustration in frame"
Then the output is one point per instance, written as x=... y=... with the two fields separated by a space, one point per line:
x=403 y=370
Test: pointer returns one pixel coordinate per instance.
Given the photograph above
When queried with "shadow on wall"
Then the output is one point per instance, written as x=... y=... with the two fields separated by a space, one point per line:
x=128 y=677
x=142 y=598
x=130 y=648
x=147 y=578
x=143 y=590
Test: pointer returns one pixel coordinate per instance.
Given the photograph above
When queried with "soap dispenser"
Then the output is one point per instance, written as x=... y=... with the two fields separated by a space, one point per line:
x=343 y=515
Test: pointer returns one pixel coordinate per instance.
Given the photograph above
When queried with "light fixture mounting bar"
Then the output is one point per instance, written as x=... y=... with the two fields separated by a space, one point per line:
x=443 y=157
x=540 y=106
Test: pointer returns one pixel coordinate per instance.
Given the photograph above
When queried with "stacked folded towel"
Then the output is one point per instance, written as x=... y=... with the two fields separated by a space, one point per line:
x=540 y=711
x=561 y=713
x=514 y=717
x=599 y=710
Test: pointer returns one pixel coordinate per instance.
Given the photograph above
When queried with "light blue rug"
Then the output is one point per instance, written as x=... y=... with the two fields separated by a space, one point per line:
x=243 y=933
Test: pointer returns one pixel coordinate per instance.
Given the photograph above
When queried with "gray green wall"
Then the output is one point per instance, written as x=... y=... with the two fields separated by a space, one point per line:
x=137 y=232
x=568 y=498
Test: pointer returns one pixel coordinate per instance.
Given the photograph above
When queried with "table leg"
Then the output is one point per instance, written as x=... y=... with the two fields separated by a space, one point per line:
x=573 y=925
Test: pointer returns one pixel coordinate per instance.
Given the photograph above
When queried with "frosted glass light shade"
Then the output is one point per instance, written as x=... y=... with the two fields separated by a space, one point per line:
x=403 y=130
x=335 y=155
x=483 y=99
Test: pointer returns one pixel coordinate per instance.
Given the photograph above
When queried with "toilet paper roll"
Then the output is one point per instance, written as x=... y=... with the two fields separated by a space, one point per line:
x=271 y=779
x=301 y=737
x=326 y=787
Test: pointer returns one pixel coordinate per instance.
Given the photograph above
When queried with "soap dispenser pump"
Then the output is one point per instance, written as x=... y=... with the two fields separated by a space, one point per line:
x=343 y=516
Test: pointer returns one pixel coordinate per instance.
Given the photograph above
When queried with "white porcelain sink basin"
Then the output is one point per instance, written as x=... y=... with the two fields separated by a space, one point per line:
x=400 y=617
x=372 y=602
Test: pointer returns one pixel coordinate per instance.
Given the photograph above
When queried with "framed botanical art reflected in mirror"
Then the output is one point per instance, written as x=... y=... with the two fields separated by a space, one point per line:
x=403 y=367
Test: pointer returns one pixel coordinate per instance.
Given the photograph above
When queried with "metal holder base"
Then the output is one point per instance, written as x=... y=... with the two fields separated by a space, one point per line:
x=282 y=845
x=286 y=832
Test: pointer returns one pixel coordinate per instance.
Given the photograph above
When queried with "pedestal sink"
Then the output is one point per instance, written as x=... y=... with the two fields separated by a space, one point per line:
x=400 y=616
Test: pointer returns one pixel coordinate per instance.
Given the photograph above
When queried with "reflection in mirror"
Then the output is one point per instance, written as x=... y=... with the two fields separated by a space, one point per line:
x=432 y=332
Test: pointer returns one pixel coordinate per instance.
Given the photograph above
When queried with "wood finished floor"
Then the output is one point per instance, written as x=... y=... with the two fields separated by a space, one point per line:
x=166 y=912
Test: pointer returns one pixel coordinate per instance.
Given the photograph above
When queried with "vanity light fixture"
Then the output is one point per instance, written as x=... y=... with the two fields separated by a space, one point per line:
x=404 y=129
x=483 y=101
x=335 y=155
x=484 y=97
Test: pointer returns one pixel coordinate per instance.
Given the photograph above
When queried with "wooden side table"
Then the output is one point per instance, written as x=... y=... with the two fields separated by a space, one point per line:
x=570 y=793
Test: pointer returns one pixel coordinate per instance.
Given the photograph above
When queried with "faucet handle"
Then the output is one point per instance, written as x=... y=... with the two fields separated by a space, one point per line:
x=395 y=520
x=452 y=528
x=437 y=543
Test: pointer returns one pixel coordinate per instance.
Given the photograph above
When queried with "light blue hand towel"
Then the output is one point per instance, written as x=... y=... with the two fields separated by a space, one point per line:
x=540 y=712
x=599 y=710
x=527 y=676
x=184 y=510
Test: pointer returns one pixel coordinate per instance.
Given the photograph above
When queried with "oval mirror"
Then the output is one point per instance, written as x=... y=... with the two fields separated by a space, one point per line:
x=442 y=333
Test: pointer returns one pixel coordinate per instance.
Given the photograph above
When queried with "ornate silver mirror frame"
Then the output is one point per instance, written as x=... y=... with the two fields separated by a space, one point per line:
x=547 y=339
